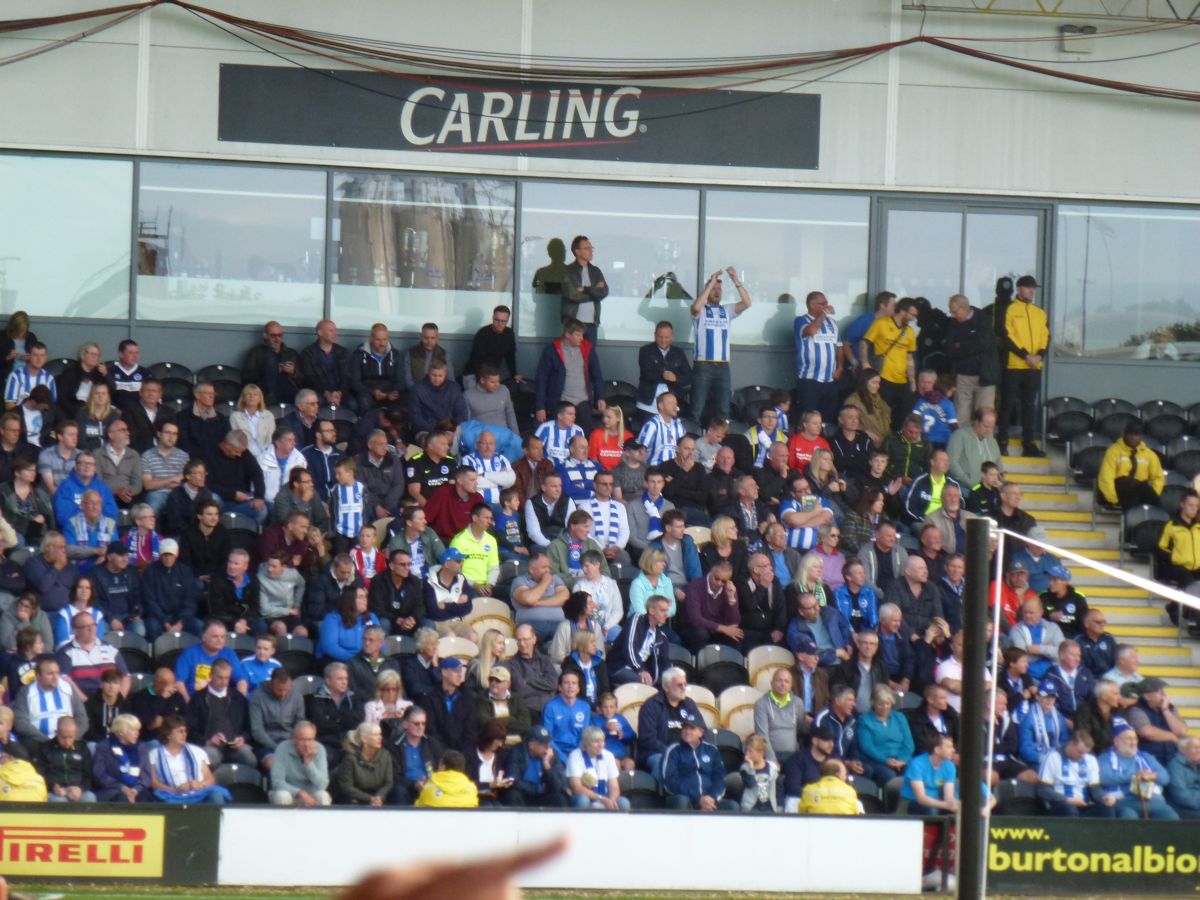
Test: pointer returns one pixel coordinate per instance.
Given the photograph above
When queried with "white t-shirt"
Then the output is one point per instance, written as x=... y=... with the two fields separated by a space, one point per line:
x=604 y=767
x=177 y=764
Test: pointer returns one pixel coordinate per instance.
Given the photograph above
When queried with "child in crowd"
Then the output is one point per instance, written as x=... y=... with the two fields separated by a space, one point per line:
x=759 y=778
x=618 y=733
x=508 y=526
x=347 y=505
x=711 y=441
x=262 y=662
x=366 y=554
x=936 y=409
x=781 y=401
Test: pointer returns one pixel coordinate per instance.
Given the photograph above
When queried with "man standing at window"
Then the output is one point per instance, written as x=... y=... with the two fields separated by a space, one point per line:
x=583 y=287
x=495 y=345
x=711 y=323
x=818 y=357
x=661 y=367
x=273 y=366
x=1026 y=338
x=323 y=365
x=569 y=371
x=888 y=346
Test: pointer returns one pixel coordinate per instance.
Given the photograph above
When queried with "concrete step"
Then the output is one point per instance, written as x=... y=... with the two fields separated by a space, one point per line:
x=1123 y=631
x=1026 y=465
x=1081 y=539
x=1187 y=675
x=1058 y=517
x=1114 y=588
x=1042 y=479
x=1166 y=656
x=1101 y=555
x=1187 y=693
x=1037 y=502
x=1088 y=579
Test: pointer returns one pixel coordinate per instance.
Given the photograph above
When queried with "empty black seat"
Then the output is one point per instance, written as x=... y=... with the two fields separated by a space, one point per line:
x=616 y=386
x=1067 y=417
x=297 y=655
x=399 y=645
x=161 y=370
x=244 y=783
x=730 y=747
x=1114 y=424
x=720 y=666
x=220 y=372
x=640 y=789
x=227 y=391
x=682 y=658
x=1113 y=405
x=1142 y=528
x=176 y=389
x=134 y=649
x=168 y=646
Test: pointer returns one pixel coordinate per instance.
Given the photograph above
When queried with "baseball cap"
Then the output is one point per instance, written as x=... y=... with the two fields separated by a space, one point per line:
x=1145 y=686
x=119 y=549
x=821 y=733
x=451 y=662
x=168 y=545
x=538 y=734
x=1059 y=572
x=1120 y=726
x=1017 y=566
x=1048 y=688
x=1027 y=281
x=451 y=553
x=633 y=445
x=806 y=645
x=500 y=674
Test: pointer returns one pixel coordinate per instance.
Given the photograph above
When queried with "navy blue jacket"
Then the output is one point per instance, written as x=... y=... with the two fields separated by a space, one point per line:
x=118 y=594
x=1070 y=700
x=323 y=596
x=552 y=375
x=169 y=595
x=427 y=405
x=694 y=772
x=659 y=725
x=835 y=623
x=626 y=650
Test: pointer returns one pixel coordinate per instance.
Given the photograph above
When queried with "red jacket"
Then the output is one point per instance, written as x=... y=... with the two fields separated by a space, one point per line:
x=446 y=514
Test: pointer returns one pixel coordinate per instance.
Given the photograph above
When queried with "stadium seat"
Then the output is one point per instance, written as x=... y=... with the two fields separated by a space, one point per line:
x=706 y=701
x=176 y=389
x=1176 y=486
x=219 y=372
x=620 y=571
x=243 y=530
x=279 y=410
x=1112 y=405
x=399 y=645
x=1166 y=427
x=227 y=392
x=459 y=648
x=743 y=453
x=751 y=411
x=701 y=534
x=1141 y=528
x=381 y=530
x=244 y=783
x=730 y=745
x=870 y=795
x=744 y=396
x=1153 y=443
x=20 y=555
x=734 y=787
x=1086 y=453
x=720 y=666
x=1187 y=463
x=337 y=413
x=1016 y=798
x=1065 y=418
x=55 y=366
x=616 y=386
x=736 y=704
x=893 y=803
x=681 y=657
x=139 y=680
x=640 y=789
x=168 y=646
x=1161 y=408
x=1193 y=418
x=308 y=684
x=134 y=649
x=510 y=647
x=241 y=644
x=907 y=700
x=1114 y=424
x=161 y=370
x=691 y=426
x=627 y=404
x=765 y=660
x=297 y=655
x=630 y=698
x=489 y=612
x=225 y=408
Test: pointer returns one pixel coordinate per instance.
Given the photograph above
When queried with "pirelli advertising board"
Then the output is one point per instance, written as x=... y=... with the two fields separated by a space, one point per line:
x=1065 y=857
x=622 y=122
x=152 y=844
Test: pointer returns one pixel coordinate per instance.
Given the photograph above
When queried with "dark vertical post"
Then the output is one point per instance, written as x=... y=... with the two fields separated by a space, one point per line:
x=971 y=836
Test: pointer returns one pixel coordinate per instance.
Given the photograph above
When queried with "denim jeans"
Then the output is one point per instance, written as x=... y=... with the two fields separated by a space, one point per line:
x=710 y=387
x=157 y=500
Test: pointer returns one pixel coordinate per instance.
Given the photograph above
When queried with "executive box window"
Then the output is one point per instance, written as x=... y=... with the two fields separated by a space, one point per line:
x=233 y=244
x=1127 y=283
x=785 y=245
x=412 y=248
x=64 y=236
x=645 y=240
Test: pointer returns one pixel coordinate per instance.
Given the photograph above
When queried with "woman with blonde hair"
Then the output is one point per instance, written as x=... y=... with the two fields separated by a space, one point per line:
x=364 y=776
x=826 y=483
x=724 y=545
x=77 y=379
x=251 y=417
x=605 y=443
x=652 y=581
x=15 y=342
x=95 y=416
x=492 y=647
x=389 y=702
x=810 y=579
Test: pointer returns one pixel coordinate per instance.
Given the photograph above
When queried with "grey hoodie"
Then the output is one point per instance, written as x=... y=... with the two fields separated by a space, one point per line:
x=277 y=597
x=272 y=719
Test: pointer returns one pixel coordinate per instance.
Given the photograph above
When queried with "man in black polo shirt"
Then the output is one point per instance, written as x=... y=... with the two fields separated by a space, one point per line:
x=430 y=469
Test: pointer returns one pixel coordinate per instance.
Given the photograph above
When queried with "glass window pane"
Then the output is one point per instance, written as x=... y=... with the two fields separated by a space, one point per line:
x=1127 y=283
x=64 y=236
x=639 y=234
x=998 y=244
x=220 y=243
x=785 y=245
x=924 y=254
x=411 y=248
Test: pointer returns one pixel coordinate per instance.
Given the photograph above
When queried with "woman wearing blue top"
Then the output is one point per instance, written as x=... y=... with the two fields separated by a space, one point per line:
x=884 y=738
x=342 y=632
x=651 y=582
x=81 y=598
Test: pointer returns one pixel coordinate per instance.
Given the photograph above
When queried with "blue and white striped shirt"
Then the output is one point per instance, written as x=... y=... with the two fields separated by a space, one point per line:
x=20 y=383
x=660 y=439
x=816 y=356
x=348 y=505
x=799 y=538
x=557 y=440
x=710 y=333
x=610 y=522
x=498 y=463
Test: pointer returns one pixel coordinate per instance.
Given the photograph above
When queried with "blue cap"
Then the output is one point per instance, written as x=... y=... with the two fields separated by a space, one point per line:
x=451 y=553
x=805 y=644
x=1120 y=726
x=1048 y=688
x=1059 y=572
x=538 y=733
x=451 y=662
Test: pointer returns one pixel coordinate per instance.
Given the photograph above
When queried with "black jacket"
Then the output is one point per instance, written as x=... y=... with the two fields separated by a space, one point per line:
x=685 y=488
x=454 y=724
x=573 y=292
x=180 y=511
x=143 y=432
x=200 y=437
x=365 y=374
x=333 y=720
x=199 y=716
x=431 y=753
x=229 y=474
x=277 y=387
x=223 y=602
x=384 y=482
x=205 y=555
x=759 y=614
x=323 y=595
x=651 y=365
x=626 y=651
x=65 y=767
x=313 y=373
x=363 y=674
x=970 y=348
x=390 y=604
x=499 y=350
x=169 y=595
x=67 y=385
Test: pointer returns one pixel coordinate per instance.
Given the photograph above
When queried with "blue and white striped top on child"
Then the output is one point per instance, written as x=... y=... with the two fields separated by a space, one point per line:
x=660 y=438
x=557 y=440
x=349 y=508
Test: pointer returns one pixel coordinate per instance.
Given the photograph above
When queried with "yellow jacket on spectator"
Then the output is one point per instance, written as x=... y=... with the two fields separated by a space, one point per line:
x=830 y=796
x=1026 y=328
x=482 y=557
x=449 y=790
x=1121 y=461
x=1182 y=542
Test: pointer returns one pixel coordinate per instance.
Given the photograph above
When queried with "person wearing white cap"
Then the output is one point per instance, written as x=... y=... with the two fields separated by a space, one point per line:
x=169 y=594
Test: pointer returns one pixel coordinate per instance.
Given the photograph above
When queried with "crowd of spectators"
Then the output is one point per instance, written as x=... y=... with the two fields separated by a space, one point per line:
x=833 y=528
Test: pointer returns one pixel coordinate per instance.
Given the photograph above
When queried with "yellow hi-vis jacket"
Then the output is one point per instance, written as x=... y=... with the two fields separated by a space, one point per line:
x=1120 y=461
x=449 y=790
x=1182 y=541
x=1026 y=329
x=830 y=796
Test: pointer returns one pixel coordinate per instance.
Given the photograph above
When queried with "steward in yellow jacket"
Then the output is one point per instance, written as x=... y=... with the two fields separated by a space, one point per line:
x=1179 y=545
x=1025 y=339
x=449 y=787
x=830 y=795
x=1131 y=473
